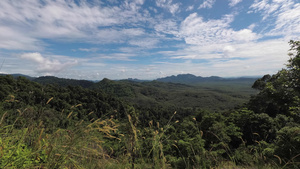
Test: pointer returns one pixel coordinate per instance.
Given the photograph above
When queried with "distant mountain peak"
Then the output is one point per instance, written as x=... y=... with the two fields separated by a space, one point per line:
x=186 y=78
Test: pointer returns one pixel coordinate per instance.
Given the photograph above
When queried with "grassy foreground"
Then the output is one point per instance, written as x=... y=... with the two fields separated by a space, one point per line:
x=109 y=143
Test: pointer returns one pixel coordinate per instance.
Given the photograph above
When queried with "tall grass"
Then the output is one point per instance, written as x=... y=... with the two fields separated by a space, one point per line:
x=93 y=144
x=81 y=145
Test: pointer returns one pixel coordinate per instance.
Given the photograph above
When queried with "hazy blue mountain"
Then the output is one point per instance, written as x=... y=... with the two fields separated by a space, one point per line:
x=188 y=79
x=192 y=79
x=136 y=80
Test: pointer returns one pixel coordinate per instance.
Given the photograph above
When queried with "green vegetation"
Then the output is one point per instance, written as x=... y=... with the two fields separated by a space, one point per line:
x=211 y=96
x=63 y=82
x=126 y=124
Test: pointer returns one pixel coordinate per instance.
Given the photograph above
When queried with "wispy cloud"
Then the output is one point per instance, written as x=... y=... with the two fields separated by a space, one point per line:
x=168 y=4
x=117 y=56
x=284 y=13
x=288 y=22
x=165 y=26
x=207 y=4
x=195 y=30
x=145 y=42
x=89 y=49
x=229 y=60
x=30 y=21
x=189 y=8
x=232 y=3
x=13 y=40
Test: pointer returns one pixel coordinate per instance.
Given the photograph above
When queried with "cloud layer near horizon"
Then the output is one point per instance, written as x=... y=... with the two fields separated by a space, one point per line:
x=146 y=39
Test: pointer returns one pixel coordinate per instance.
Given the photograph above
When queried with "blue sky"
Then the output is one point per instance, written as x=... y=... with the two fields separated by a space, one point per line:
x=146 y=39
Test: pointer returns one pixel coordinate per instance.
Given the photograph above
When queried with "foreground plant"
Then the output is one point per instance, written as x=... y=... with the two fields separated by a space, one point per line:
x=77 y=146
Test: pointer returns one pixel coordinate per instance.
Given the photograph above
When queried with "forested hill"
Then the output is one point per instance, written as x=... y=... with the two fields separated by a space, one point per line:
x=63 y=82
x=19 y=75
x=159 y=95
x=17 y=93
x=209 y=95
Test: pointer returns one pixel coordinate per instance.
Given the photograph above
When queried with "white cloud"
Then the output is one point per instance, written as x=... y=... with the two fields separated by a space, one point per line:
x=145 y=42
x=116 y=35
x=251 y=58
x=266 y=7
x=282 y=16
x=166 y=27
x=228 y=50
x=196 y=31
x=168 y=4
x=117 y=56
x=288 y=22
x=232 y=3
x=252 y=26
x=207 y=4
x=47 y=65
x=13 y=39
x=29 y=21
x=225 y=49
x=189 y=8
x=89 y=49
x=174 y=8
x=139 y=2
x=245 y=35
x=36 y=57
x=226 y=60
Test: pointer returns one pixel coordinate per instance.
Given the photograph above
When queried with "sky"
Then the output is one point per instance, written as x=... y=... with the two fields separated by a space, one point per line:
x=146 y=39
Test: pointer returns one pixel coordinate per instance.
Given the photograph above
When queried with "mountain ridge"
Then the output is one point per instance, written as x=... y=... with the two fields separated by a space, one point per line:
x=190 y=79
x=180 y=78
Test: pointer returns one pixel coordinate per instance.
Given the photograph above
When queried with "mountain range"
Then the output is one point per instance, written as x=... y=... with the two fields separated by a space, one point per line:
x=181 y=79
x=192 y=79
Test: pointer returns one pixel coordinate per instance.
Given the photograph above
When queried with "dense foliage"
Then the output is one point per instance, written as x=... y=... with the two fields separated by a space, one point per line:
x=150 y=124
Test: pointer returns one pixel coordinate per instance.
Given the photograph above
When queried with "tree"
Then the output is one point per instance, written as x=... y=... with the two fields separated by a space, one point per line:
x=281 y=91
